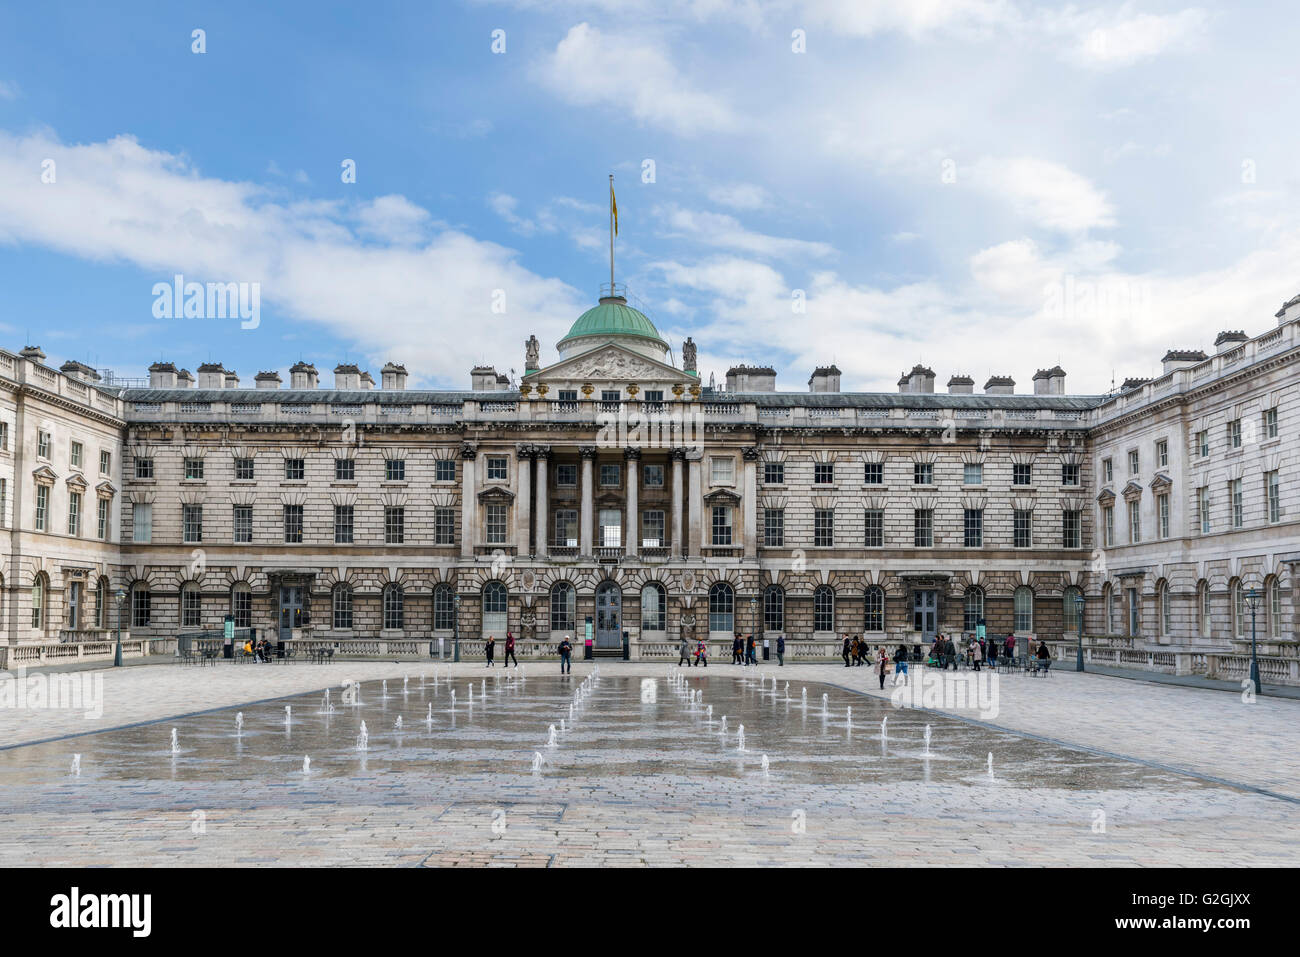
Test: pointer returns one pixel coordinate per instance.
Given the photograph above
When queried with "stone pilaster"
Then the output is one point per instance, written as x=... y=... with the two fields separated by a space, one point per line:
x=543 y=500
x=678 y=457
x=694 y=503
x=468 y=500
x=587 y=517
x=631 y=535
x=523 y=500
x=750 y=501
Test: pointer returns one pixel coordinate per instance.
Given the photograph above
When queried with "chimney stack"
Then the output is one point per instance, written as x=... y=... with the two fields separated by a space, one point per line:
x=162 y=375
x=751 y=379
x=267 y=380
x=393 y=376
x=347 y=377
x=961 y=385
x=302 y=375
x=1182 y=359
x=1229 y=340
x=1000 y=385
x=920 y=379
x=1049 y=381
x=824 y=379
x=212 y=376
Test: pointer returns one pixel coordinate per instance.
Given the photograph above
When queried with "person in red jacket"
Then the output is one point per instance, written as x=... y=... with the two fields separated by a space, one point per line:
x=510 y=650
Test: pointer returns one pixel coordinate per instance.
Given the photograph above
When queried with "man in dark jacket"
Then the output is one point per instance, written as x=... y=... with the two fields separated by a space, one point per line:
x=751 y=657
x=780 y=650
x=566 y=656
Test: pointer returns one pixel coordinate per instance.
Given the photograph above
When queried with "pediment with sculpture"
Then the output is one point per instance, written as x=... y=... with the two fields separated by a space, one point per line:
x=609 y=363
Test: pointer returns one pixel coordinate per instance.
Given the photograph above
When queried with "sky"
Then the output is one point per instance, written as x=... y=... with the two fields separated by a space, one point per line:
x=986 y=187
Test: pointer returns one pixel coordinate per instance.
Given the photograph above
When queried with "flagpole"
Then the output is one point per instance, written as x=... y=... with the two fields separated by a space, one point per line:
x=611 y=234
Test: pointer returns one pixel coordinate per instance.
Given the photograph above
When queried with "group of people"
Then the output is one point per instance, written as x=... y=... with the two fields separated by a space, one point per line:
x=856 y=651
x=490 y=651
x=260 y=649
x=980 y=650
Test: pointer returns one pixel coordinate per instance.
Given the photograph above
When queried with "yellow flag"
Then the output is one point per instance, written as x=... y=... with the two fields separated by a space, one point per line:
x=613 y=206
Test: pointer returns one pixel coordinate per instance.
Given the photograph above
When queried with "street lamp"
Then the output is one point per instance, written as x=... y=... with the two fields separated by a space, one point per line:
x=456 y=627
x=1078 y=605
x=117 y=655
x=1252 y=599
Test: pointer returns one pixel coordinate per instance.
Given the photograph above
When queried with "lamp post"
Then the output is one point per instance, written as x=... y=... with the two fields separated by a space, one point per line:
x=117 y=655
x=1252 y=599
x=456 y=626
x=1078 y=605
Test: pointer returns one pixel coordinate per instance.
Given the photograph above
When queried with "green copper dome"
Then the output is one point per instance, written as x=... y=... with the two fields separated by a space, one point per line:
x=613 y=317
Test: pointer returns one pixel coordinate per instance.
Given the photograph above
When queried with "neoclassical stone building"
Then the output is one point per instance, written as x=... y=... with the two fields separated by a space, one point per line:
x=612 y=484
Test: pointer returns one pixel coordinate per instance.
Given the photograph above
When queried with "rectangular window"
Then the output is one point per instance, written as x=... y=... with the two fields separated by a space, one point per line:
x=241 y=521
x=1203 y=444
x=1234 y=434
x=1272 y=497
x=42 y=507
x=105 y=463
x=567 y=395
x=823 y=473
x=194 y=469
x=101 y=516
x=922 y=473
x=43 y=444
x=653 y=397
x=4 y=436
x=973 y=473
x=444 y=526
x=1022 y=474
x=395 y=524
x=395 y=470
x=873 y=473
x=923 y=528
x=1270 y=423
x=611 y=474
x=1071 y=528
x=566 y=475
x=610 y=395
x=1134 y=462
x=1203 y=506
x=1162 y=454
x=4 y=502
x=243 y=470
x=1069 y=474
x=1108 y=526
x=343 y=608
x=74 y=455
x=1162 y=516
x=609 y=523
x=652 y=528
x=652 y=476
x=144 y=468
x=444 y=470
x=721 y=526
x=1134 y=522
x=973 y=528
x=874 y=528
x=824 y=527
x=1107 y=471
x=294 y=470
x=141 y=607
x=293 y=524
x=141 y=523
x=1023 y=528
x=774 y=527
x=496 y=524
x=722 y=470
x=191 y=607
x=343 y=529
x=498 y=468
x=192 y=523
x=1234 y=498
x=773 y=473
x=74 y=514
x=566 y=527
x=345 y=470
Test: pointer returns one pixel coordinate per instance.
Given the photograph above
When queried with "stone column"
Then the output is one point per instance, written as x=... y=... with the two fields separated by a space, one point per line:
x=678 y=456
x=750 y=502
x=543 y=500
x=587 y=517
x=524 y=500
x=632 y=460
x=694 y=504
x=468 y=503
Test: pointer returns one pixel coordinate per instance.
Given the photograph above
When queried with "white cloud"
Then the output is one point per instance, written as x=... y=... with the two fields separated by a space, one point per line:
x=1102 y=40
x=914 y=18
x=743 y=196
x=721 y=230
x=427 y=301
x=1045 y=193
x=631 y=76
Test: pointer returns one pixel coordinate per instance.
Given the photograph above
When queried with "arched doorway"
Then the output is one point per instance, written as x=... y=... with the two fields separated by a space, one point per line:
x=609 y=615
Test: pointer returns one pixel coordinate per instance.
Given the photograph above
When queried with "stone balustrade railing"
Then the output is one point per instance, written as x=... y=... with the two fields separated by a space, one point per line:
x=71 y=652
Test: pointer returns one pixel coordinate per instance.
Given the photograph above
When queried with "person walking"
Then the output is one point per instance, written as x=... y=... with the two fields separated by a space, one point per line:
x=751 y=655
x=490 y=650
x=566 y=656
x=900 y=664
x=975 y=655
x=737 y=648
x=1011 y=648
x=780 y=651
x=1044 y=656
x=993 y=653
x=701 y=653
x=847 y=650
x=881 y=665
x=684 y=650
x=510 y=650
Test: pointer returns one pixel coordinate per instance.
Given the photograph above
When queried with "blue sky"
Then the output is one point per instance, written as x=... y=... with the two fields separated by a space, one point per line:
x=984 y=186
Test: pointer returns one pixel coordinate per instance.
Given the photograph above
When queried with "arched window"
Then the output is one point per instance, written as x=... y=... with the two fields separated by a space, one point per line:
x=875 y=620
x=444 y=608
x=101 y=603
x=774 y=608
x=342 y=606
x=241 y=604
x=824 y=608
x=141 y=605
x=1162 y=604
x=564 y=601
x=394 y=606
x=1205 y=608
x=1023 y=601
x=1239 y=615
x=722 y=604
x=1108 y=603
x=191 y=605
x=496 y=606
x=38 y=603
x=973 y=608
x=1070 y=609
x=1272 y=608
x=654 y=607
